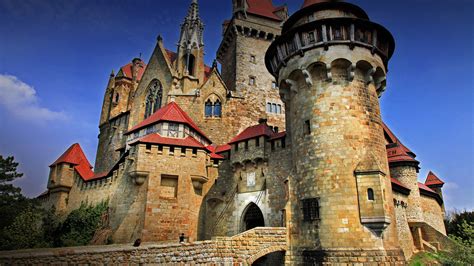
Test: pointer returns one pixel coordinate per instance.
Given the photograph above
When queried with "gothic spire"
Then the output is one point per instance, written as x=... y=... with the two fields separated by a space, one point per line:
x=192 y=29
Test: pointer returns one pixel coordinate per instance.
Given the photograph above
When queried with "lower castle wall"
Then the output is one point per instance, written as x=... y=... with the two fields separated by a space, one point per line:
x=433 y=213
x=405 y=237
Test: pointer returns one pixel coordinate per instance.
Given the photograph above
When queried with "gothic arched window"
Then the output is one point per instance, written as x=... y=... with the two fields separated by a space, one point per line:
x=208 y=108
x=370 y=194
x=153 y=98
x=217 y=108
x=213 y=107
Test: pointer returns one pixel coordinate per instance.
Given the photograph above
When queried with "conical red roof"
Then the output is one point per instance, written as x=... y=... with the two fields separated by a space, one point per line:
x=74 y=155
x=433 y=180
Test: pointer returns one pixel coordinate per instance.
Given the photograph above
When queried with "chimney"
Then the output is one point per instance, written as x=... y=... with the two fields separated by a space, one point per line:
x=262 y=121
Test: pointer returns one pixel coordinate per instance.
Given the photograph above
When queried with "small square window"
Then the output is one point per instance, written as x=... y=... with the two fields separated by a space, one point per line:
x=148 y=147
x=252 y=81
x=252 y=59
x=195 y=151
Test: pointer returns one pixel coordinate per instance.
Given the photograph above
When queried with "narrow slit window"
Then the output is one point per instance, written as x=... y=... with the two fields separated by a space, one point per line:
x=307 y=127
x=370 y=194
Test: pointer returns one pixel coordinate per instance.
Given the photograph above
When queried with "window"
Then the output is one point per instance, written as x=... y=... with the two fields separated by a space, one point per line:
x=190 y=64
x=246 y=145
x=236 y=147
x=160 y=148
x=183 y=151
x=272 y=144
x=153 y=98
x=274 y=108
x=217 y=108
x=370 y=194
x=252 y=81
x=117 y=97
x=338 y=33
x=307 y=127
x=257 y=142
x=274 y=85
x=252 y=59
x=283 y=142
x=171 y=150
x=311 y=37
x=173 y=130
x=208 y=108
x=310 y=209
x=213 y=109
x=195 y=151
x=148 y=147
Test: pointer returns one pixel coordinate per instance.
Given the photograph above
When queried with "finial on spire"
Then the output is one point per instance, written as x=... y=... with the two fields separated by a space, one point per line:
x=112 y=74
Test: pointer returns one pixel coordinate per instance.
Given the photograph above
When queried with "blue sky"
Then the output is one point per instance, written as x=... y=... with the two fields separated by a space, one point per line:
x=56 y=56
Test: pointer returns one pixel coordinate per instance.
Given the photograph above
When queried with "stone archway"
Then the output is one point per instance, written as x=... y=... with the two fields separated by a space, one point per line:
x=252 y=217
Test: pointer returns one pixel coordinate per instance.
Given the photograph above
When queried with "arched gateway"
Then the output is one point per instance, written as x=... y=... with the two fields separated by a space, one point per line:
x=252 y=217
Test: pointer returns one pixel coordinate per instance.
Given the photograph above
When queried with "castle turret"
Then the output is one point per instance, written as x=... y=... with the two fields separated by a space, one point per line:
x=436 y=184
x=330 y=63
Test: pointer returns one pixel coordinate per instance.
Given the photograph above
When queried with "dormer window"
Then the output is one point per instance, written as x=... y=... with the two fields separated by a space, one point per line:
x=173 y=130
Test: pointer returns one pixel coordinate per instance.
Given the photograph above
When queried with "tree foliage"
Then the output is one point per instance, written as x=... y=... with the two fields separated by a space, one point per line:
x=12 y=202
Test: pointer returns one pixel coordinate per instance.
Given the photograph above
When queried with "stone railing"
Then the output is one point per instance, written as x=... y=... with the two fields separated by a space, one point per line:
x=243 y=248
x=325 y=33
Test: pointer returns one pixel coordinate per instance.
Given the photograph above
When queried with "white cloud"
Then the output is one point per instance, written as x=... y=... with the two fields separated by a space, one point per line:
x=20 y=100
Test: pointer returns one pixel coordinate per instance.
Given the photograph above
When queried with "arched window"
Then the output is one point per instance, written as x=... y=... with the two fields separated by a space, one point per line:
x=117 y=97
x=217 y=108
x=154 y=98
x=213 y=107
x=370 y=194
x=208 y=108
x=190 y=64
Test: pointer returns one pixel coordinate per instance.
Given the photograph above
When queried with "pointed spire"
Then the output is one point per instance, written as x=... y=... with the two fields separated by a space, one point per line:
x=432 y=180
x=192 y=28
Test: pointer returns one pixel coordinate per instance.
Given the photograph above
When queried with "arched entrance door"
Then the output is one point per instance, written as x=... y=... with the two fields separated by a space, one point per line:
x=253 y=217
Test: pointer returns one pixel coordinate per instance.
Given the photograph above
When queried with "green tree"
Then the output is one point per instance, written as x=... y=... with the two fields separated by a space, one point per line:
x=12 y=202
x=26 y=231
x=462 y=253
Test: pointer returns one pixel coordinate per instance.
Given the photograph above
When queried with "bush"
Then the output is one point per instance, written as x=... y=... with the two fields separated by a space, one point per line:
x=463 y=251
x=81 y=224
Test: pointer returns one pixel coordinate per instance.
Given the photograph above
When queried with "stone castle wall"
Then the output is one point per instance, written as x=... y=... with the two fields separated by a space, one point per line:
x=242 y=249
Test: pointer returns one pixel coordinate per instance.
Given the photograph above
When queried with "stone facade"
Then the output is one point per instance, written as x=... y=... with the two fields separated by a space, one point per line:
x=180 y=150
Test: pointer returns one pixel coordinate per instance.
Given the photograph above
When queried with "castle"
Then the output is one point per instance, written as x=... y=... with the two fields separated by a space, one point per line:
x=287 y=134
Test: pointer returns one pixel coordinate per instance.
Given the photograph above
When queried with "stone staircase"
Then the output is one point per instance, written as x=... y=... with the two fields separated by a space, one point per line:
x=428 y=238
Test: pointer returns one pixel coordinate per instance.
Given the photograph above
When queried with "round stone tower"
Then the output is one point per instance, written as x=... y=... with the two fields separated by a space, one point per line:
x=330 y=63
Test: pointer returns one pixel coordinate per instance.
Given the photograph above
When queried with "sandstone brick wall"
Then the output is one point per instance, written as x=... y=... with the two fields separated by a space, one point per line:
x=405 y=237
x=243 y=249
x=433 y=213
x=408 y=175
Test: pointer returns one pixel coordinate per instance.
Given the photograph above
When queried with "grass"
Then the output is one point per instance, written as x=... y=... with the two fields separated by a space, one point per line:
x=423 y=258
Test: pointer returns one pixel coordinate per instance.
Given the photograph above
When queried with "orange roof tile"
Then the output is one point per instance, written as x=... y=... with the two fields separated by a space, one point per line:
x=261 y=129
x=171 y=55
x=74 y=155
x=278 y=135
x=223 y=148
x=433 y=180
x=264 y=8
x=127 y=70
x=425 y=187
x=213 y=153
x=172 y=113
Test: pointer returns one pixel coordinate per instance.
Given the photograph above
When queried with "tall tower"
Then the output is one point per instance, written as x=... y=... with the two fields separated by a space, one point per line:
x=190 y=61
x=330 y=63
x=246 y=37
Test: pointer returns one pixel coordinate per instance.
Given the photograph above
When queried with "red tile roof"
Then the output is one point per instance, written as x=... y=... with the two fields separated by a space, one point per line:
x=74 y=155
x=223 y=148
x=312 y=2
x=157 y=139
x=396 y=151
x=426 y=188
x=264 y=8
x=278 y=135
x=127 y=70
x=172 y=113
x=252 y=132
x=213 y=153
x=171 y=55
x=433 y=180
x=398 y=183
